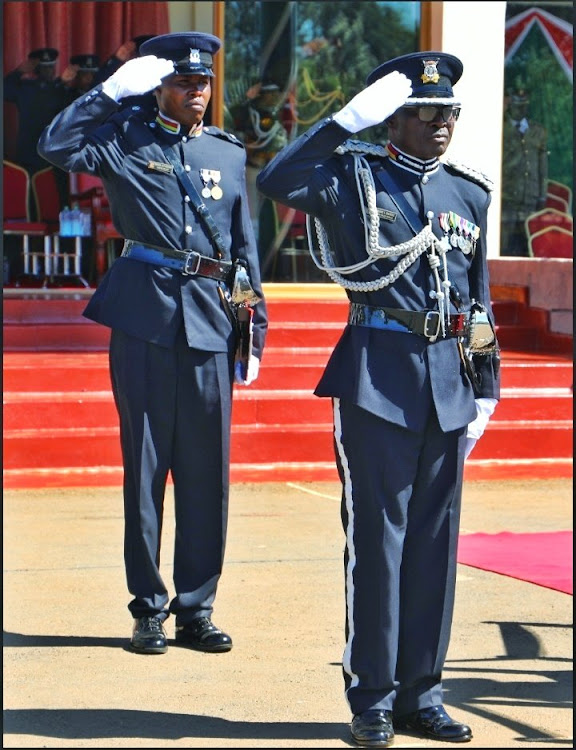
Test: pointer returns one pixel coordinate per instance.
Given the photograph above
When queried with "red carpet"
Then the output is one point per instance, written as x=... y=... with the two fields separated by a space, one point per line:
x=543 y=558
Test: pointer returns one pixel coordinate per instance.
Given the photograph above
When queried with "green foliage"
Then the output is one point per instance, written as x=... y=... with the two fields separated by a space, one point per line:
x=335 y=46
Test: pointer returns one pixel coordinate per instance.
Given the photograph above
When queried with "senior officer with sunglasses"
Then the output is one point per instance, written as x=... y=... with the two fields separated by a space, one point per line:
x=413 y=378
x=167 y=300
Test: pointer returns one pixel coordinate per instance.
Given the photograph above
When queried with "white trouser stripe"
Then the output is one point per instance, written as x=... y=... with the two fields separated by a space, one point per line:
x=347 y=489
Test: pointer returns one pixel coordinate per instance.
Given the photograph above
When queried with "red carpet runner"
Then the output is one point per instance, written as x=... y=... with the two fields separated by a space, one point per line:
x=541 y=558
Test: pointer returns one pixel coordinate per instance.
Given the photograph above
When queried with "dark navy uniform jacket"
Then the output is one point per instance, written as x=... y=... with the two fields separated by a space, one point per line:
x=148 y=205
x=37 y=102
x=398 y=376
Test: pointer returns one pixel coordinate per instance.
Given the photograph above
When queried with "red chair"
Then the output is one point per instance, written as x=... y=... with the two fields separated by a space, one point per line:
x=547 y=217
x=88 y=191
x=16 y=221
x=554 y=201
x=552 y=242
x=47 y=198
x=560 y=190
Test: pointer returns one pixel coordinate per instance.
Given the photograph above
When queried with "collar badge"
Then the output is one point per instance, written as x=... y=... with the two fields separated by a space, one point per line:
x=430 y=74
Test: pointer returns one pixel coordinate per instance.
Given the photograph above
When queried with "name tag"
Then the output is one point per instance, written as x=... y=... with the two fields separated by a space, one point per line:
x=385 y=214
x=159 y=166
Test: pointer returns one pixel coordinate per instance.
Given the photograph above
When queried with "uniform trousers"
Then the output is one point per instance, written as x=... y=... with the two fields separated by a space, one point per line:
x=174 y=406
x=401 y=497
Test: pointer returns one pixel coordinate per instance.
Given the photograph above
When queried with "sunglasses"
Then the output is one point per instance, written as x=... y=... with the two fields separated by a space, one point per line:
x=430 y=113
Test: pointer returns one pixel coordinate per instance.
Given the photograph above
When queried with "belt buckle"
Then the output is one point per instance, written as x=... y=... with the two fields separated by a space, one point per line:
x=187 y=271
x=430 y=316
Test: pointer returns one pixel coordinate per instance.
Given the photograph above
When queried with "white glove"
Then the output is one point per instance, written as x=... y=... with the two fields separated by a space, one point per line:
x=484 y=410
x=375 y=103
x=137 y=76
x=251 y=373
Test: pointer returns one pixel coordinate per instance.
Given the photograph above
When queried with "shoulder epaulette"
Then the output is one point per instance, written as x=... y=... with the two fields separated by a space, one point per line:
x=225 y=135
x=472 y=174
x=360 y=147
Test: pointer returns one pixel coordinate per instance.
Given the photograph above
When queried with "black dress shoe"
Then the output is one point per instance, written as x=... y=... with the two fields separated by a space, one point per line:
x=148 y=636
x=373 y=728
x=202 y=635
x=435 y=723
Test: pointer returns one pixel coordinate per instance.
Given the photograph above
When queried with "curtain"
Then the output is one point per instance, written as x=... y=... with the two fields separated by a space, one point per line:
x=73 y=28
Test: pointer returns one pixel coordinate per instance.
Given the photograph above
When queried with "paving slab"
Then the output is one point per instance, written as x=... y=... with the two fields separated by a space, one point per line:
x=69 y=680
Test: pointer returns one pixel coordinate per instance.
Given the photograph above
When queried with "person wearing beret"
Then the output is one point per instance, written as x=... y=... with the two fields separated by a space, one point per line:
x=170 y=302
x=413 y=378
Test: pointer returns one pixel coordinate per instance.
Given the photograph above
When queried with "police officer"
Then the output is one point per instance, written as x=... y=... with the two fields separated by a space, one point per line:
x=524 y=172
x=412 y=387
x=38 y=95
x=86 y=67
x=167 y=301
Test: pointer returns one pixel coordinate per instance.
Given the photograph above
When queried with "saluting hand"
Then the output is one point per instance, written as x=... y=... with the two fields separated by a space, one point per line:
x=375 y=103
x=137 y=76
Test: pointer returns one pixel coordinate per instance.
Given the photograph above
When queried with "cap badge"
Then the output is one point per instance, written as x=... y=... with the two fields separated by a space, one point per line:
x=430 y=74
x=194 y=55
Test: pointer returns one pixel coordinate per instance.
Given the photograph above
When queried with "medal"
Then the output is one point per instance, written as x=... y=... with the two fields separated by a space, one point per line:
x=445 y=243
x=210 y=179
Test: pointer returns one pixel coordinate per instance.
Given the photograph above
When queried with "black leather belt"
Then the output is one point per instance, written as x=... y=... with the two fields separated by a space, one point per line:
x=188 y=262
x=426 y=323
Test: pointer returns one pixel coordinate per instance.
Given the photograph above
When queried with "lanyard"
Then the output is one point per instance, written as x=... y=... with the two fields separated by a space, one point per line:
x=400 y=201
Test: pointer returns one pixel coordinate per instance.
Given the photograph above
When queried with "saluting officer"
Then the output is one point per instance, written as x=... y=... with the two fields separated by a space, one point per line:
x=86 y=67
x=412 y=383
x=167 y=302
x=38 y=95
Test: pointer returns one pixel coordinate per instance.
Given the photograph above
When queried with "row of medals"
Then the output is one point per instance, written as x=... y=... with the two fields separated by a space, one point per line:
x=459 y=232
x=211 y=190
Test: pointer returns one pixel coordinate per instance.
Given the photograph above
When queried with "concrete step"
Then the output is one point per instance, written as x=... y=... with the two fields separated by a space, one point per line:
x=76 y=409
x=93 y=446
x=286 y=367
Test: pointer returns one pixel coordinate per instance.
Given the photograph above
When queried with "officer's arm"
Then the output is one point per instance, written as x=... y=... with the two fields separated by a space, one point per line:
x=246 y=249
x=11 y=85
x=66 y=142
x=293 y=177
x=486 y=366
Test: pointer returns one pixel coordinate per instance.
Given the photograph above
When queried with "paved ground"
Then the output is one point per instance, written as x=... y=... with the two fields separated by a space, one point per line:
x=70 y=682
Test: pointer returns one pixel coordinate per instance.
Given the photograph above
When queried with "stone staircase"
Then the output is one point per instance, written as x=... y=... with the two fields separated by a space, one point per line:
x=61 y=428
